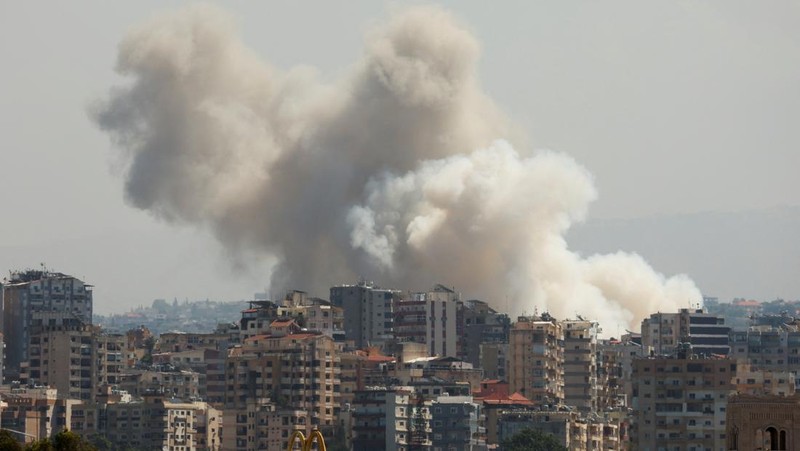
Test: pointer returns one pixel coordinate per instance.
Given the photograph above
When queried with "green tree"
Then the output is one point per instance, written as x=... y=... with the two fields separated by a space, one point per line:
x=531 y=440
x=8 y=442
x=40 y=445
x=63 y=441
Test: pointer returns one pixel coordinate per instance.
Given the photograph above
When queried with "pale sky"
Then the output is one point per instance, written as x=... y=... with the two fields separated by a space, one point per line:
x=677 y=108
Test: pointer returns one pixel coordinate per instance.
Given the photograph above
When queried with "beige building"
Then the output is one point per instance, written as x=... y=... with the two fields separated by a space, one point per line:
x=763 y=423
x=614 y=382
x=78 y=360
x=680 y=402
x=34 y=413
x=708 y=334
x=752 y=381
x=295 y=372
x=575 y=431
x=180 y=384
x=536 y=359
x=156 y=423
x=580 y=364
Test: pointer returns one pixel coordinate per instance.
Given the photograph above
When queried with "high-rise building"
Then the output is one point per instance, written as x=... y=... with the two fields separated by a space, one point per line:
x=679 y=402
x=368 y=312
x=35 y=299
x=434 y=318
x=707 y=333
x=294 y=372
x=392 y=419
x=580 y=364
x=615 y=361
x=536 y=359
x=767 y=347
x=482 y=325
x=458 y=423
x=78 y=360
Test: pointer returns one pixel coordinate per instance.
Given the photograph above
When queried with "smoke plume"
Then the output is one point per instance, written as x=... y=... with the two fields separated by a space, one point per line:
x=403 y=171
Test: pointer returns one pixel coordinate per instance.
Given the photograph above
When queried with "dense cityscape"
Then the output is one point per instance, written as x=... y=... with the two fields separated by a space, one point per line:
x=546 y=226
x=377 y=368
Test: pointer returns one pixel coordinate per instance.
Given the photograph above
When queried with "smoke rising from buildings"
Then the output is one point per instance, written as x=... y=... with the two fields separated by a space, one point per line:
x=403 y=171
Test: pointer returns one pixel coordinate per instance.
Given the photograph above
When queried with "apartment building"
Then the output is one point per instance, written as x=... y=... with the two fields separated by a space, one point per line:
x=392 y=419
x=767 y=347
x=536 y=359
x=78 y=360
x=159 y=423
x=458 y=423
x=580 y=364
x=752 y=381
x=482 y=326
x=368 y=310
x=680 y=402
x=573 y=430
x=297 y=372
x=494 y=360
x=614 y=382
x=172 y=383
x=314 y=314
x=32 y=299
x=34 y=412
x=707 y=333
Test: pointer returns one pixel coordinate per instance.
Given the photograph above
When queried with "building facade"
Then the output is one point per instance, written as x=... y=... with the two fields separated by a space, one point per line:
x=368 y=312
x=35 y=299
x=680 y=402
x=536 y=359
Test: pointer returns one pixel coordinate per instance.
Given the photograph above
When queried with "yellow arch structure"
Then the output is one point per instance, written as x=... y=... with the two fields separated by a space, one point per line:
x=307 y=443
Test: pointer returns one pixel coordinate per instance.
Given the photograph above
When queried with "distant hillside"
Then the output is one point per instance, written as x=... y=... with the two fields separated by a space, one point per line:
x=752 y=254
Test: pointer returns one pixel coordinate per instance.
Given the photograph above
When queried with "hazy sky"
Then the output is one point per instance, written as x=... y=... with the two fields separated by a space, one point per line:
x=675 y=107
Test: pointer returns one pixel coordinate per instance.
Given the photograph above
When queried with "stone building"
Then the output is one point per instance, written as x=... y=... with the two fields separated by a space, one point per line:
x=763 y=423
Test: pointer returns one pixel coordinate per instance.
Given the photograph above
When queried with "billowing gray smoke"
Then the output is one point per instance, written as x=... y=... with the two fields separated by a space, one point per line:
x=399 y=172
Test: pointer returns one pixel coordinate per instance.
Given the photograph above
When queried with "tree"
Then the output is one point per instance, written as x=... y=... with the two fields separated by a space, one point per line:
x=8 y=442
x=531 y=440
x=63 y=441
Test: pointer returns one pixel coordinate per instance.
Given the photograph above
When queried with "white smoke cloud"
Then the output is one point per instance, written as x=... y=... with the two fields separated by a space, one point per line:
x=396 y=172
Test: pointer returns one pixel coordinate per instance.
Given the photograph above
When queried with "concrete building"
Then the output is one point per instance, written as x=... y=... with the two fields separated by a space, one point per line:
x=615 y=363
x=32 y=299
x=580 y=364
x=314 y=314
x=172 y=383
x=763 y=423
x=34 y=412
x=680 y=402
x=295 y=372
x=767 y=347
x=573 y=430
x=707 y=333
x=369 y=312
x=78 y=360
x=156 y=423
x=752 y=381
x=482 y=326
x=434 y=318
x=458 y=423
x=494 y=360
x=392 y=419
x=536 y=359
